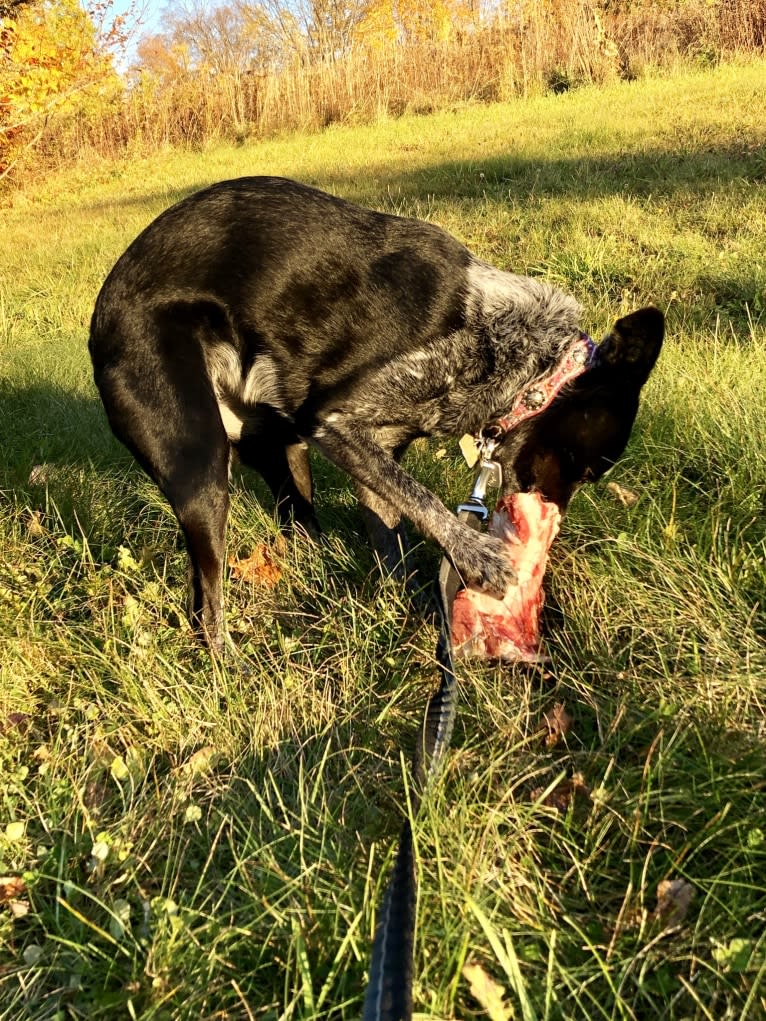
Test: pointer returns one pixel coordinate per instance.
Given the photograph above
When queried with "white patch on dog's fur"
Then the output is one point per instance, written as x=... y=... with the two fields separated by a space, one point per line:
x=262 y=384
x=224 y=369
x=232 y=423
x=235 y=393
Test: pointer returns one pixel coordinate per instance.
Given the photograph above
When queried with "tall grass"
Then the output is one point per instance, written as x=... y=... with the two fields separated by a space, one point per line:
x=522 y=50
x=180 y=841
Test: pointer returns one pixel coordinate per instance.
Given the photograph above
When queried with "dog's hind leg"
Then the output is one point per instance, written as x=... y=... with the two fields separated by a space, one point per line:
x=202 y=514
x=270 y=445
x=169 y=420
x=195 y=484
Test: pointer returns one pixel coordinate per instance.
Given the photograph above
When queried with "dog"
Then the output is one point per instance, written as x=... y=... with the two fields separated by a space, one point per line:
x=263 y=315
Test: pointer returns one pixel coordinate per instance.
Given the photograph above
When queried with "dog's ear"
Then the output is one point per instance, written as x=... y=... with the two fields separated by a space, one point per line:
x=633 y=344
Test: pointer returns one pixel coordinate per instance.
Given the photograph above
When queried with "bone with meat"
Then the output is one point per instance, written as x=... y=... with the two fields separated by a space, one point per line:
x=509 y=628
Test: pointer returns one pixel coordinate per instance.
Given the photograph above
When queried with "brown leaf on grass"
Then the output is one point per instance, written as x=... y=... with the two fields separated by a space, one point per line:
x=40 y=474
x=259 y=568
x=35 y=526
x=626 y=496
x=673 y=899
x=204 y=760
x=487 y=993
x=568 y=791
x=19 y=722
x=11 y=887
x=558 y=723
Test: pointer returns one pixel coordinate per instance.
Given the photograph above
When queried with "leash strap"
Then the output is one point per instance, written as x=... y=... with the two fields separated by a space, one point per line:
x=389 y=990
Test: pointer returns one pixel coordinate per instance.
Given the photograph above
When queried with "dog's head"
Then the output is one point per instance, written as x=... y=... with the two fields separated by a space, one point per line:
x=584 y=431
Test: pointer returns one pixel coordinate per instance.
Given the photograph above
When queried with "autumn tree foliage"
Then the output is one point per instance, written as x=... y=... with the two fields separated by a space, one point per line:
x=238 y=68
x=56 y=60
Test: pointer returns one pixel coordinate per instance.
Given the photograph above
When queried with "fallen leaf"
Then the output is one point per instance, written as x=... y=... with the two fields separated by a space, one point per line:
x=15 y=830
x=18 y=908
x=563 y=794
x=11 y=887
x=119 y=769
x=558 y=723
x=259 y=568
x=202 y=761
x=626 y=496
x=35 y=526
x=193 y=813
x=40 y=474
x=100 y=850
x=673 y=899
x=487 y=993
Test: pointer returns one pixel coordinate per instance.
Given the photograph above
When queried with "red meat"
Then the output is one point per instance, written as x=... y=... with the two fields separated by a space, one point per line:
x=509 y=628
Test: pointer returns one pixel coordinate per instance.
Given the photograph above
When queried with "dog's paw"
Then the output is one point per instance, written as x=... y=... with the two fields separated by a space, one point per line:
x=483 y=564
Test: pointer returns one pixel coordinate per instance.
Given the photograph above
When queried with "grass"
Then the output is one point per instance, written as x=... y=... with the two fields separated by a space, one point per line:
x=190 y=842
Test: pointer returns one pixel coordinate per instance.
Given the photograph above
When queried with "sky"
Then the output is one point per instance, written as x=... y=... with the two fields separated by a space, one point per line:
x=150 y=13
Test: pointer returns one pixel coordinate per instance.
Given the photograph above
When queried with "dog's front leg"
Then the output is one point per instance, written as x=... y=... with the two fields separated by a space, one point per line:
x=386 y=532
x=479 y=558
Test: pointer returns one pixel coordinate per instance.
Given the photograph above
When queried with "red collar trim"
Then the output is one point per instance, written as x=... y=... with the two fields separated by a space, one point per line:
x=541 y=394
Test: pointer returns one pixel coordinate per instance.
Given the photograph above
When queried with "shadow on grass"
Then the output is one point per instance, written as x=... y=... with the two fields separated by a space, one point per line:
x=58 y=449
x=643 y=172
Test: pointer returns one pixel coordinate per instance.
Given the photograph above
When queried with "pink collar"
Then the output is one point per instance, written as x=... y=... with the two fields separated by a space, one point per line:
x=540 y=394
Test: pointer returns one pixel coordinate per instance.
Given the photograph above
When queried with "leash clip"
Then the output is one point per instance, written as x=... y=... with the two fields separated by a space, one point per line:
x=490 y=475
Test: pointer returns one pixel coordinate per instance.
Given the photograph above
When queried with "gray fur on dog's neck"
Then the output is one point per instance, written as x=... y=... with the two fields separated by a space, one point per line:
x=523 y=327
x=515 y=330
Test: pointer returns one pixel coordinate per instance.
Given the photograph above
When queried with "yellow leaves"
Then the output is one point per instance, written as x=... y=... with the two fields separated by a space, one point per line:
x=386 y=22
x=51 y=58
x=487 y=993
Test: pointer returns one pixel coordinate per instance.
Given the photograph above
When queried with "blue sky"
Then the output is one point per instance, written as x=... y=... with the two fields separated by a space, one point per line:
x=150 y=13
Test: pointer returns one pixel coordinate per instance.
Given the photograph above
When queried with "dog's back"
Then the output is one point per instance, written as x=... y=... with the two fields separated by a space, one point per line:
x=276 y=268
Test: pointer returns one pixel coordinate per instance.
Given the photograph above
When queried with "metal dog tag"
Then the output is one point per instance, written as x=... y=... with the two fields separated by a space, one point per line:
x=469 y=450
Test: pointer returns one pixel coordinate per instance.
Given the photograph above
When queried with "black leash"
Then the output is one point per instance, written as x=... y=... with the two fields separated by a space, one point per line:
x=389 y=989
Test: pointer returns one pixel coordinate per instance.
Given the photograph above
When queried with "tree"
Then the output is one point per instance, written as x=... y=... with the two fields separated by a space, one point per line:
x=55 y=58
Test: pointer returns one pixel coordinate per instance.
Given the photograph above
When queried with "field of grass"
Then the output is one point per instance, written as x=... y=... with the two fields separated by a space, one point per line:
x=180 y=841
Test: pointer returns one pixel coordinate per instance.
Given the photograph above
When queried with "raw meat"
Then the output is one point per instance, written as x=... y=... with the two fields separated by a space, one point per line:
x=509 y=628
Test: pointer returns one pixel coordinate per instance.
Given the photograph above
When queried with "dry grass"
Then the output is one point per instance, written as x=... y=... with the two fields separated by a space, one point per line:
x=551 y=45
